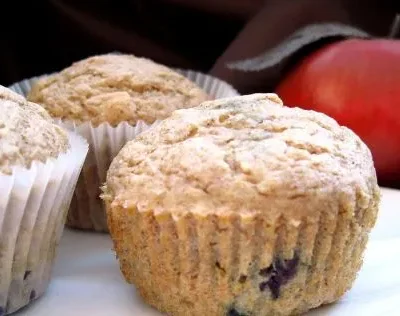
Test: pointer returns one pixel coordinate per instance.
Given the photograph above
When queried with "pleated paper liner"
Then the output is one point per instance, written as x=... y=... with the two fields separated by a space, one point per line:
x=87 y=210
x=241 y=264
x=33 y=207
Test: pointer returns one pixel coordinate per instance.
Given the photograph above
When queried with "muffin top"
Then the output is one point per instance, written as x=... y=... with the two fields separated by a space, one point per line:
x=26 y=133
x=114 y=88
x=246 y=155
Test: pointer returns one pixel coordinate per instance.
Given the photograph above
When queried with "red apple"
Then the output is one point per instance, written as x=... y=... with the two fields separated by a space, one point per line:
x=357 y=82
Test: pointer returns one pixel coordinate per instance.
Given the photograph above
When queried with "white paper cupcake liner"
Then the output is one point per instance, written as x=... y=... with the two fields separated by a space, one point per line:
x=243 y=264
x=33 y=206
x=214 y=87
x=87 y=210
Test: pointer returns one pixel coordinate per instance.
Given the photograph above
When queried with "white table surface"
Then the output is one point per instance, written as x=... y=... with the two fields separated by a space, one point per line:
x=87 y=281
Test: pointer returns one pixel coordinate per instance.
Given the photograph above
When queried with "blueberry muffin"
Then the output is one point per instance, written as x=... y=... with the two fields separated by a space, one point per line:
x=109 y=99
x=242 y=206
x=39 y=168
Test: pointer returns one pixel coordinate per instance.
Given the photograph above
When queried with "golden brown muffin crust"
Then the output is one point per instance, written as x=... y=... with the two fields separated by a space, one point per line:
x=26 y=133
x=235 y=155
x=242 y=206
x=114 y=88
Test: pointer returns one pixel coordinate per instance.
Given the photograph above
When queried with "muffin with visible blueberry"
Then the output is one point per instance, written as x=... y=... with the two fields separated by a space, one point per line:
x=242 y=206
x=109 y=99
x=39 y=168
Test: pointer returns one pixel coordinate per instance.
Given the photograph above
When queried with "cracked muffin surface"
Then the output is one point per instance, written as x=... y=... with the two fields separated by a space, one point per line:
x=114 y=88
x=232 y=155
x=27 y=133
x=242 y=206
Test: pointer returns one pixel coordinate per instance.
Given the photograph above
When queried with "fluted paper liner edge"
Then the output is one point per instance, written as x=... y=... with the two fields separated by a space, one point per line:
x=33 y=207
x=229 y=261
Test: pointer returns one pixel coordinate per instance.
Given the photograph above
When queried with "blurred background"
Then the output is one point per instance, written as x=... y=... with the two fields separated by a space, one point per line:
x=350 y=72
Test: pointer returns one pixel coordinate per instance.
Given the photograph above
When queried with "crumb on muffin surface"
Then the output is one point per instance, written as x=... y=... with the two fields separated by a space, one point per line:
x=238 y=154
x=114 y=88
x=27 y=133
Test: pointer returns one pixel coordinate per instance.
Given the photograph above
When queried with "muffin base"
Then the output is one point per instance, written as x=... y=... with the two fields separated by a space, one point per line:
x=242 y=265
x=33 y=208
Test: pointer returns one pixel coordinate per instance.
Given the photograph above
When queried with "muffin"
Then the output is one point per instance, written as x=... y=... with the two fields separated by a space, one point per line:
x=113 y=89
x=109 y=99
x=242 y=206
x=39 y=168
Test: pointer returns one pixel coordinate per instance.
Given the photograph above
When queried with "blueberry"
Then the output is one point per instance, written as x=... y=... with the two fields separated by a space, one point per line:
x=291 y=266
x=279 y=266
x=266 y=271
x=242 y=278
x=274 y=285
x=32 y=296
x=263 y=286
x=234 y=312
x=218 y=265
x=278 y=274
x=27 y=274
